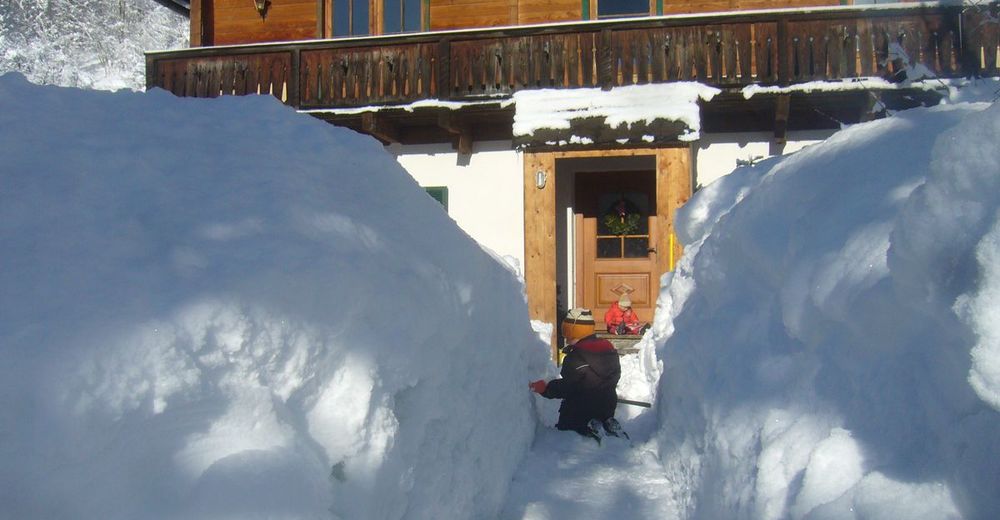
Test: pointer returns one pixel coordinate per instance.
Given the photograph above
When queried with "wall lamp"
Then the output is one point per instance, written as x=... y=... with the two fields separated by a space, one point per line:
x=540 y=178
x=262 y=6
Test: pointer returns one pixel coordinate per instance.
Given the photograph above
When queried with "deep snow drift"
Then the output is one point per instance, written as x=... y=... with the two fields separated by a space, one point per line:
x=223 y=309
x=829 y=342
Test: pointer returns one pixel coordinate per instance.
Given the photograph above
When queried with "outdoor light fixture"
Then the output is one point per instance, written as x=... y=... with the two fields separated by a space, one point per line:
x=540 y=179
x=262 y=6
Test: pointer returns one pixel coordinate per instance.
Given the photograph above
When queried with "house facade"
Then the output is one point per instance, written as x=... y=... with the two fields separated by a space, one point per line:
x=564 y=134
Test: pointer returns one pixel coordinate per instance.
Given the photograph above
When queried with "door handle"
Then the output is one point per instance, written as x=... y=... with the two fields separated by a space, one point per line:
x=651 y=250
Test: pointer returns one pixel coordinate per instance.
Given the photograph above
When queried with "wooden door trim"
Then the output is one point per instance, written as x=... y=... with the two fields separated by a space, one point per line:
x=578 y=256
x=540 y=241
x=673 y=186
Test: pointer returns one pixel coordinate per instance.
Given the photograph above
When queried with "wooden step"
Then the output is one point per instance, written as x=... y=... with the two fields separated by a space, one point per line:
x=624 y=343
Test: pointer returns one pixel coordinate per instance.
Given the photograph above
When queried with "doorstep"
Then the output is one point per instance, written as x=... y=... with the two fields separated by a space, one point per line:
x=623 y=343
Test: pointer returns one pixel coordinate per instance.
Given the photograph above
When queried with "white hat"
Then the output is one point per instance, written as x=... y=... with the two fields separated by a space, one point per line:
x=624 y=301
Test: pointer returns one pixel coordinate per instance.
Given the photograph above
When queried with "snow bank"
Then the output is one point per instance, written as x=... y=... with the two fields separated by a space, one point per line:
x=829 y=340
x=223 y=309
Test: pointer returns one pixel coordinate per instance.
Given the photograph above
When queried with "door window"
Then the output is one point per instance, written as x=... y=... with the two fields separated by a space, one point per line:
x=623 y=225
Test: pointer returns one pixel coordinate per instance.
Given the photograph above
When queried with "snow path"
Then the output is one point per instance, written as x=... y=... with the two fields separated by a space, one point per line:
x=566 y=476
x=569 y=477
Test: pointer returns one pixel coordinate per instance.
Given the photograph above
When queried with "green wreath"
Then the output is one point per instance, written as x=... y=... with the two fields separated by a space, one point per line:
x=620 y=221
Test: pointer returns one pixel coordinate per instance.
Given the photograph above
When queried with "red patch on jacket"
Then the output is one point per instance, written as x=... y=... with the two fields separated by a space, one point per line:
x=593 y=344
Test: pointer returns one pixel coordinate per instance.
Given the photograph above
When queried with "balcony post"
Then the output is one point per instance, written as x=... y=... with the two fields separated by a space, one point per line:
x=443 y=69
x=605 y=61
x=295 y=80
x=152 y=73
x=784 y=45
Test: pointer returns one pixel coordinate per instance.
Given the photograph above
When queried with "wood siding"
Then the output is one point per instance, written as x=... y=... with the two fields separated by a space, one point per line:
x=548 y=11
x=229 y=22
x=718 y=6
x=462 y=14
x=237 y=21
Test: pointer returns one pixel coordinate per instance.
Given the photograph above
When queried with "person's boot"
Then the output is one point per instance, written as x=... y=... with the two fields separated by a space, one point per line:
x=592 y=429
x=613 y=427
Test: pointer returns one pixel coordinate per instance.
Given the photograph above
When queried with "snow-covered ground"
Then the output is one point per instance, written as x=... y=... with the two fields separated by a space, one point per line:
x=829 y=341
x=224 y=309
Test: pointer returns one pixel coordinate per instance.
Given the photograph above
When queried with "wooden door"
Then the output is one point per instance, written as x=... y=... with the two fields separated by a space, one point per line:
x=616 y=241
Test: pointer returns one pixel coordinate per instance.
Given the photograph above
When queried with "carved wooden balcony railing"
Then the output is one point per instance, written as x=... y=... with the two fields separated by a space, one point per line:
x=727 y=51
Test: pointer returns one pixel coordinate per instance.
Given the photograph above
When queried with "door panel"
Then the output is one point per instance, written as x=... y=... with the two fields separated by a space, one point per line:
x=616 y=241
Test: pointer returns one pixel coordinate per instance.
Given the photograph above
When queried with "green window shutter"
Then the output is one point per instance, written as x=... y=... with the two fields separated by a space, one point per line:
x=438 y=193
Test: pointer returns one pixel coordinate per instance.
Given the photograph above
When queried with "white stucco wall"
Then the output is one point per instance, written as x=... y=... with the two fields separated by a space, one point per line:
x=717 y=154
x=484 y=190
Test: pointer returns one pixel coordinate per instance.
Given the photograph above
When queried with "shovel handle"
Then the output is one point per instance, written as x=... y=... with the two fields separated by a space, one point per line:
x=634 y=403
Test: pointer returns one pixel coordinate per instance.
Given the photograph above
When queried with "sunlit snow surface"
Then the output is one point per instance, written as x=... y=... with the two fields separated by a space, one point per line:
x=223 y=309
x=828 y=340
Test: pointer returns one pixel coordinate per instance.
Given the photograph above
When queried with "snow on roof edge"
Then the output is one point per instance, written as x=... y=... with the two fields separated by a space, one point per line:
x=556 y=109
x=410 y=107
x=849 y=84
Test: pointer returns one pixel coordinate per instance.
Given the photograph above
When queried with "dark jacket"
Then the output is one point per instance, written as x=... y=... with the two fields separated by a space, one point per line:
x=589 y=376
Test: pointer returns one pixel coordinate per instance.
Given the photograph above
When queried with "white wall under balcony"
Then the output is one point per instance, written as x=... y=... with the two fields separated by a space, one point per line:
x=484 y=190
x=717 y=154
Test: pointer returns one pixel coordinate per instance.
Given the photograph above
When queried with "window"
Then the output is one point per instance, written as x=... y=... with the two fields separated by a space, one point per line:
x=350 y=17
x=623 y=225
x=438 y=193
x=622 y=8
x=401 y=16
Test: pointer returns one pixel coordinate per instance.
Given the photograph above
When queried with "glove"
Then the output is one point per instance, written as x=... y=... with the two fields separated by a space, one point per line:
x=538 y=386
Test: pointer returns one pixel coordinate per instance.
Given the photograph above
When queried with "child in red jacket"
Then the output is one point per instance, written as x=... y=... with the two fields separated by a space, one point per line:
x=621 y=319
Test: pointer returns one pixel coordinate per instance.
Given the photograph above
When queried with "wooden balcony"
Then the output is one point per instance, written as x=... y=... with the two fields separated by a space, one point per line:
x=728 y=51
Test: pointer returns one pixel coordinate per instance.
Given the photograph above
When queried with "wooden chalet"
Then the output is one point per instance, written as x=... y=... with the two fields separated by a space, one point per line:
x=436 y=81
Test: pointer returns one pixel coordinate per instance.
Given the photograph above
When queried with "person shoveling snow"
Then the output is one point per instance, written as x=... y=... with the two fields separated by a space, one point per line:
x=587 y=383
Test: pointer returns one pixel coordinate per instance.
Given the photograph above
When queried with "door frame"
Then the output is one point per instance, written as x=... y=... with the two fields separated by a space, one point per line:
x=674 y=184
x=585 y=277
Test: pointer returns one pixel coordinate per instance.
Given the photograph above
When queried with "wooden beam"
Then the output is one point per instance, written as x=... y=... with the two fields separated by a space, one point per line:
x=378 y=126
x=781 y=110
x=196 y=23
x=868 y=108
x=540 y=241
x=327 y=18
x=456 y=126
x=674 y=186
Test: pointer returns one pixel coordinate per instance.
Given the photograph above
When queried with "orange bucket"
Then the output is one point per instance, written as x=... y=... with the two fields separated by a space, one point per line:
x=578 y=323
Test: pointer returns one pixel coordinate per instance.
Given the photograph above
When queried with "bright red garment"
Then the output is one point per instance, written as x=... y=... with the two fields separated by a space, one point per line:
x=616 y=315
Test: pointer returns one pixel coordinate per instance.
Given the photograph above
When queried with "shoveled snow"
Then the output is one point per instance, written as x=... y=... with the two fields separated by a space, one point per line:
x=828 y=340
x=224 y=309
